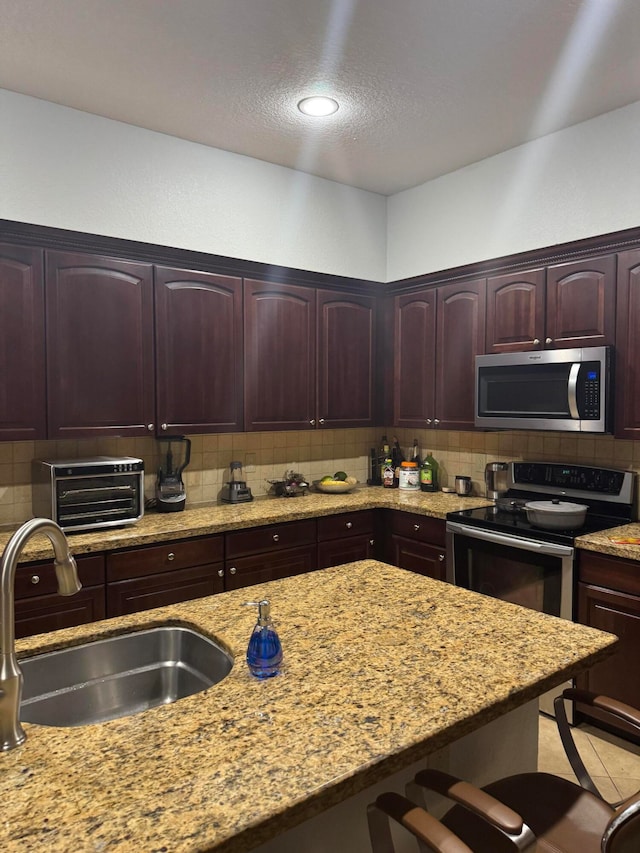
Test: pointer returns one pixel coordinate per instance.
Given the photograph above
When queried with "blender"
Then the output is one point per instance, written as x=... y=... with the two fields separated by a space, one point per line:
x=235 y=490
x=170 y=492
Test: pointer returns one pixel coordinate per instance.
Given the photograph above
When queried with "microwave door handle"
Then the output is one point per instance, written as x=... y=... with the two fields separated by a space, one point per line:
x=573 y=391
x=512 y=541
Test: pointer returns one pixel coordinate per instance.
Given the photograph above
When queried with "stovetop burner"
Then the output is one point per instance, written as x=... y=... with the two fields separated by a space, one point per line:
x=608 y=494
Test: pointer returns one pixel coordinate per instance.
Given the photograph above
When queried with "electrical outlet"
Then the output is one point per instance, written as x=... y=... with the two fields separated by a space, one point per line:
x=250 y=463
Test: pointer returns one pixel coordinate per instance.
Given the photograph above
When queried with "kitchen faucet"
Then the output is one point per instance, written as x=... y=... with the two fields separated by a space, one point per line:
x=11 y=732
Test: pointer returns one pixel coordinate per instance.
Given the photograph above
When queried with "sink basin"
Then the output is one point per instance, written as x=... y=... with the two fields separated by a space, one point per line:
x=119 y=676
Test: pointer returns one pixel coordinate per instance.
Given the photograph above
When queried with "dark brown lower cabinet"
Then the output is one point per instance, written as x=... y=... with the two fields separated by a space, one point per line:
x=416 y=543
x=269 y=553
x=345 y=538
x=40 y=608
x=609 y=599
x=158 y=575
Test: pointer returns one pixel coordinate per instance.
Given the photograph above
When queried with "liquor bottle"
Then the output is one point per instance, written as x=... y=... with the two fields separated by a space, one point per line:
x=384 y=455
x=388 y=472
x=397 y=458
x=429 y=474
x=415 y=453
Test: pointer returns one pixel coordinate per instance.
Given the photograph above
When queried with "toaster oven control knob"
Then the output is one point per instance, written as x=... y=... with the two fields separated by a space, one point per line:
x=35 y=579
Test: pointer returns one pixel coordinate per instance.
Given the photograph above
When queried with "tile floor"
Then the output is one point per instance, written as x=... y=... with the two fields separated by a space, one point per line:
x=614 y=763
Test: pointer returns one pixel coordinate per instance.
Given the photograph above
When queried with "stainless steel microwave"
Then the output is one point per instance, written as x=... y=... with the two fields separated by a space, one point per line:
x=565 y=390
x=88 y=494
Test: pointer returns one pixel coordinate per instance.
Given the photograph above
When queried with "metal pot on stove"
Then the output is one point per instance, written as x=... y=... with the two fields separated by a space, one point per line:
x=555 y=514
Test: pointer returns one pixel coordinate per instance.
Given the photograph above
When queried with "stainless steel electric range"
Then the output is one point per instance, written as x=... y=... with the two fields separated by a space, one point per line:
x=497 y=551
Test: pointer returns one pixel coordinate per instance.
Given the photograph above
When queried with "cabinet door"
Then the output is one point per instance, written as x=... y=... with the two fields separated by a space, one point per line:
x=279 y=347
x=346 y=550
x=459 y=338
x=515 y=311
x=414 y=359
x=99 y=346
x=618 y=613
x=259 y=568
x=159 y=590
x=581 y=303
x=39 y=614
x=345 y=359
x=198 y=352
x=627 y=374
x=22 y=356
x=418 y=557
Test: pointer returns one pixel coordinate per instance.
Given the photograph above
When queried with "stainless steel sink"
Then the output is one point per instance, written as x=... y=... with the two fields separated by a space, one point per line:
x=119 y=676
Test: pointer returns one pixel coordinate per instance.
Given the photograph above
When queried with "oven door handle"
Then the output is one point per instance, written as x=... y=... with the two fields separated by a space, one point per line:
x=511 y=541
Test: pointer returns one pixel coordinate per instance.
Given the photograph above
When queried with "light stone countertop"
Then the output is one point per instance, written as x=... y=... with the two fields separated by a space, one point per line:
x=382 y=666
x=604 y=542
x=218 y=518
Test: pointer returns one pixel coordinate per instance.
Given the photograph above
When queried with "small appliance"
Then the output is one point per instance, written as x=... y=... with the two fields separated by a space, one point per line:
x=235 y=490
x=566 y=390
x=170 y=492
x=496 y=479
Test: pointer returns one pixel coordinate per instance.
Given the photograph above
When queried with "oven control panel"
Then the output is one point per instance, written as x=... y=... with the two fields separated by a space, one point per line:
x=599 y=481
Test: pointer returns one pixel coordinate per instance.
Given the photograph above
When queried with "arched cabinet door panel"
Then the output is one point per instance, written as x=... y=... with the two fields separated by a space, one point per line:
x=414 y=362
x=516 y=311
x=581 y=303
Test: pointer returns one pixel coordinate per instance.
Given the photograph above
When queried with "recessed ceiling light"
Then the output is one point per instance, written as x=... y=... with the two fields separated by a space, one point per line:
x=318 y=106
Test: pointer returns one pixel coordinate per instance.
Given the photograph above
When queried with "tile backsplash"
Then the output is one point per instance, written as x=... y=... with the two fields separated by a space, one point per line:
x=267 y=455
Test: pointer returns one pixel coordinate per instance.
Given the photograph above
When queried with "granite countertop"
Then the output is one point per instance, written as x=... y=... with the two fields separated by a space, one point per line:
x=607 y=541
x=218 y=518
x=382 y=667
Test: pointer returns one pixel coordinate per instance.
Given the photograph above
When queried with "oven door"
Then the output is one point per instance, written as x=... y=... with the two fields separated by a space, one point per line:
x=532 y=574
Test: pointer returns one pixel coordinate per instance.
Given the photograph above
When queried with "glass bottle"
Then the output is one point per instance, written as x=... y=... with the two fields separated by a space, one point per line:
x=264 y=652
x=429 y=474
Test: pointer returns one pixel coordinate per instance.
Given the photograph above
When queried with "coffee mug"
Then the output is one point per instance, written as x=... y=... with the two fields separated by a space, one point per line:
x=463 y=485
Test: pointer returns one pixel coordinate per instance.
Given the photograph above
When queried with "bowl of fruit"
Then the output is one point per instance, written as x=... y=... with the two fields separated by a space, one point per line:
x=340 y=483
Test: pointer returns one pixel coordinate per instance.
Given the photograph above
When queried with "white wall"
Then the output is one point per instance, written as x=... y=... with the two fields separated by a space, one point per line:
x=68 y=169
x=576 y=183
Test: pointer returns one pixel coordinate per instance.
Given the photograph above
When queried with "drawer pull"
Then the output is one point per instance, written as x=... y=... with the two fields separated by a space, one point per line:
x=416 y=527
x=35 y=579
x=232 y=570
x=349 y=525
x=171 y=556
x=220 y=573
x=372 y=541
x=276 y=538
x=441 y=557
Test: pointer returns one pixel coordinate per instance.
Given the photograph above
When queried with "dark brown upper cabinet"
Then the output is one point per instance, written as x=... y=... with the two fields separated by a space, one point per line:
x=516 y=311
x=198 y=352
x=345 y=359
x=309 y=357
x=280 y=356
x=438 y=334
x=627 y=367
x=22 y=344
x=581 y=303
x=566 y=305
x=99 y=314
x=414 y=362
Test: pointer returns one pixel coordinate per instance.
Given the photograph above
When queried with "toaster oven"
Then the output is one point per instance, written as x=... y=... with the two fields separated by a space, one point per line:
x=88 y=494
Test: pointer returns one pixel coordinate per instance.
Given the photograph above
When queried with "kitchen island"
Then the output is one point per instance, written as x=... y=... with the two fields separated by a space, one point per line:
x=382 y=668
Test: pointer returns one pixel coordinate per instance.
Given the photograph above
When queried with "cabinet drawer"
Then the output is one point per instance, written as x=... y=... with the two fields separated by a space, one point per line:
x=40 y=614
x=609 y=572
x=159 y=590
x=419 y=527
x=40 y=578
x=262 y=540
x=260 y=568
x=335 y=552
x=346 y=524
x=137 y=562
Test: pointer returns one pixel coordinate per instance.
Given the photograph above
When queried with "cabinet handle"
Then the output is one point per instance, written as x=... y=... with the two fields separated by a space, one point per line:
x=276 y=538
x=35 y=579
x=312 y=421
x=536 y=342
x=171 y=556
x=220 y=573
x=441 y=557
x=429 y=421
x=548 y=340
x=416 y=527
x=436 y=421
x=232 y=570
x=321 y=421
x=164 y=427
x=150 y=427
x=372 y=541
x=349 y=525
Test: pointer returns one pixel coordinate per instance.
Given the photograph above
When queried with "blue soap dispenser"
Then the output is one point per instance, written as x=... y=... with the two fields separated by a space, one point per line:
x=264 y=653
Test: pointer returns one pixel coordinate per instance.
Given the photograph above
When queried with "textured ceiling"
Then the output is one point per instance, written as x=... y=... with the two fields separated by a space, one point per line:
x=425 y=86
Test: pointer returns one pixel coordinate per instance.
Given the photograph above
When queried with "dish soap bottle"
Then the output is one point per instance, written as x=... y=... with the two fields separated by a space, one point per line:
x=264 y=653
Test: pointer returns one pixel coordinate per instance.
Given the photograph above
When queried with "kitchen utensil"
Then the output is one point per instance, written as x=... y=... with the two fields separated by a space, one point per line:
x=170 y=492
x=235 y=490
x=463 y=485
x=555 y=514
x=495 y=479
